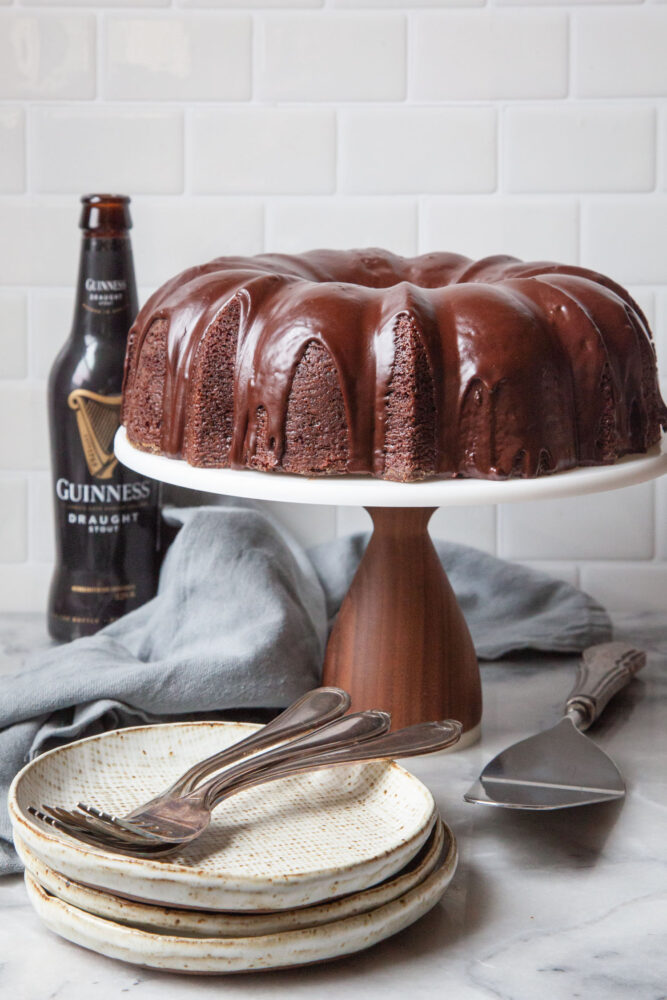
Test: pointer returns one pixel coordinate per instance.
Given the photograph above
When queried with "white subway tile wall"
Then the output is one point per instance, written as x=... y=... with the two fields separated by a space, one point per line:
x=441 y=150
x=12 y=144
x=532 y=228
x=322 y=56
x=627 y=238
x=467 y=525
x=340 y=223
x=531 y=127
x=489 y=55
x=23 y=444
x=13 y=526
x=580 y=147
x=172 y=234
x=13 y=335
x=76 y=147
x=176 y=57
x=50 y=317
x=47 y=56
x=620 y=53
x=263 y=151
x=39 y=513
x=597 y=526
x=38 y=241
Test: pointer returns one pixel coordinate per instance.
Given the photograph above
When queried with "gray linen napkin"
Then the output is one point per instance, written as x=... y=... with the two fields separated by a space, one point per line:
x=507 y=607
x=240 y=621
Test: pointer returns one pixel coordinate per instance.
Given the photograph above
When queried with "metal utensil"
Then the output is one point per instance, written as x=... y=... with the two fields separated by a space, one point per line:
x=426 y=737
x=164 y=821
x=313 y=709
x=561 y=767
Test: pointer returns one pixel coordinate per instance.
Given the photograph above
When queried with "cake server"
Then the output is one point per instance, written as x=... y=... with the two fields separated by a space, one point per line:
x=561 y=767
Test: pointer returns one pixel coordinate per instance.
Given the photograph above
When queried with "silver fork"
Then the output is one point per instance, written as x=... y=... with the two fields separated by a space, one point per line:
x=152 y=834
x=190 y=815
x=149 y=828
x=315 y=708
x=146 y=831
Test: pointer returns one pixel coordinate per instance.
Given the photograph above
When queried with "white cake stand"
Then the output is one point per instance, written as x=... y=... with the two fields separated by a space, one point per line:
x=400 y=641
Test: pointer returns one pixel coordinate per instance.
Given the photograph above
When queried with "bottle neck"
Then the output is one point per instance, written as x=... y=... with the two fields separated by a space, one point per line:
x=106 y=295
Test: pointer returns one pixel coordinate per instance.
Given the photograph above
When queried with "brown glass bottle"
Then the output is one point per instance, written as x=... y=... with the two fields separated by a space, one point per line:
x=106 y=517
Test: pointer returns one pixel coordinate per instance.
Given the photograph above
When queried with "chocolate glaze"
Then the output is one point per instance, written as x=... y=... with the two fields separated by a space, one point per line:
x=535 y=367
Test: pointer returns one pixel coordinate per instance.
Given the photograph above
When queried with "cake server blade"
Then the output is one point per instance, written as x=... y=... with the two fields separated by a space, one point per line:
x=561 y=767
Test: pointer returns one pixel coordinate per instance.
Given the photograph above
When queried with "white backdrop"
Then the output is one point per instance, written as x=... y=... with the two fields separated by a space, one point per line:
x=518 y=127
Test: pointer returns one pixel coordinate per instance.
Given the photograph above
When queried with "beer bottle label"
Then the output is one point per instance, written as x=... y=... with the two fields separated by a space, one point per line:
x=102 y=509
x=104 y=292
x=106 y=517
x=105 y=296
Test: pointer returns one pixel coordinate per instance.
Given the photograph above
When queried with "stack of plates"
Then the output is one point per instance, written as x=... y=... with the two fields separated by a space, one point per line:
x=300 y=870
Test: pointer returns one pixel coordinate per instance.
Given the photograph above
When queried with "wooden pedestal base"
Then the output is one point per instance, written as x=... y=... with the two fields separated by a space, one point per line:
x=400 y=641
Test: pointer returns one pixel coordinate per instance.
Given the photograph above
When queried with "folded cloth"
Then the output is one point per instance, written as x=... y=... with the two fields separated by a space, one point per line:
x=240 y=621
x=507 y=607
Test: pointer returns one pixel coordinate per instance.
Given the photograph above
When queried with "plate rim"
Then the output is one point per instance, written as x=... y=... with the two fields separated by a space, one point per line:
x=441 y=835
x=444 y=871
x=163 y=871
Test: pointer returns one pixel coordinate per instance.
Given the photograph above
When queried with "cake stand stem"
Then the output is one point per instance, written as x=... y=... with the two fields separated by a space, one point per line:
x=400 y=641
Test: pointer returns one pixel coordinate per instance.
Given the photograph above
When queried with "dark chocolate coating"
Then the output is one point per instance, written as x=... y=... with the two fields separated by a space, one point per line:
x=369 y=363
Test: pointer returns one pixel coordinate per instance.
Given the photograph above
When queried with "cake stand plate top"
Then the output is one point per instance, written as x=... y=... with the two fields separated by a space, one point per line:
x=368 y=492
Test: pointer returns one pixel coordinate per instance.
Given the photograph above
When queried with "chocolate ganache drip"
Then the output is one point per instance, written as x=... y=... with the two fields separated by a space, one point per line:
x=364 y=362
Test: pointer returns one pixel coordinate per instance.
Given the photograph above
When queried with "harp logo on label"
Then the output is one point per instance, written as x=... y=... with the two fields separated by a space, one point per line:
x=103 y=508
x=97 y=418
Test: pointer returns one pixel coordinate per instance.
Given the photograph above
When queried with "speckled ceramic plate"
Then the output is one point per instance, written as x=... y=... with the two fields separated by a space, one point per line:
x=216 y=955
x=289 y=843
x=198 y=923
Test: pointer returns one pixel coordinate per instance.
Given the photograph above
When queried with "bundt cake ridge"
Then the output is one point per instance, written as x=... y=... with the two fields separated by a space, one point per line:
x=334 y=362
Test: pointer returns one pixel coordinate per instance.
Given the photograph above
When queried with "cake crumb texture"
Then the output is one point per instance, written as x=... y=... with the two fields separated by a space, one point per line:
x=362 y=362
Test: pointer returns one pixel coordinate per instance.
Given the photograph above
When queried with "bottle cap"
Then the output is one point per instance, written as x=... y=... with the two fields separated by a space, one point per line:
x=105 y=213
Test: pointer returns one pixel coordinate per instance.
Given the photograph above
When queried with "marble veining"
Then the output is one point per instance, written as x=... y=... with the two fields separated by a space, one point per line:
x=562 y=905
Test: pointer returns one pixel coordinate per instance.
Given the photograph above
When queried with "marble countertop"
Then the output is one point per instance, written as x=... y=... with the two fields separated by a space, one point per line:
x=557 y=905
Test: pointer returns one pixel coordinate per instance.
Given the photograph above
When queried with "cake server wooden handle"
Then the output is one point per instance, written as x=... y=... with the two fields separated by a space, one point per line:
x=603 y=671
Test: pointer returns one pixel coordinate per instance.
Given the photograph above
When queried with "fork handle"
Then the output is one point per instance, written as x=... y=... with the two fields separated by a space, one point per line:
x=603 y=671
x=412 y=741
x=341 y=732
x=315 y=708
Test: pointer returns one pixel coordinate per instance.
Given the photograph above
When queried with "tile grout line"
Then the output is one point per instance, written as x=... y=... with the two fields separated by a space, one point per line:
x=421 y=201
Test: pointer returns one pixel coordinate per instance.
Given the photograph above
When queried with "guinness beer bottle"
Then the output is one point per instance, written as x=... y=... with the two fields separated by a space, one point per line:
x=106 y=517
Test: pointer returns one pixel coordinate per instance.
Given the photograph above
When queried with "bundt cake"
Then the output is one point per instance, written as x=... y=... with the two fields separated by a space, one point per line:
x=363 y=362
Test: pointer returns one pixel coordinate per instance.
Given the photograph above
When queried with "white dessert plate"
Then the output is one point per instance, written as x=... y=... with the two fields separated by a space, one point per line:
x=200 y=923
x=369 y=492
x=216 y=955
x=288 y=843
